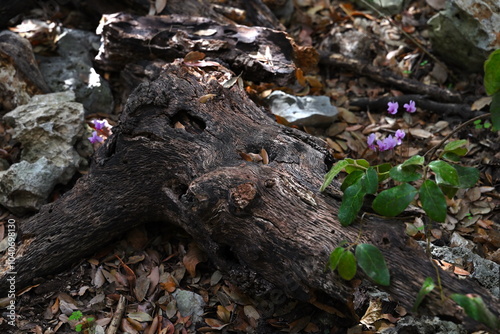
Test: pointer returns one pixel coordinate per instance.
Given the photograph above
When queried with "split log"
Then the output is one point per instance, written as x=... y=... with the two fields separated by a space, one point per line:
x=260 y=54
x=176 y=160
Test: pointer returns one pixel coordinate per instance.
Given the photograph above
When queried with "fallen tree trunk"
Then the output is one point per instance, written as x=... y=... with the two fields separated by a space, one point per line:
x=175 y=160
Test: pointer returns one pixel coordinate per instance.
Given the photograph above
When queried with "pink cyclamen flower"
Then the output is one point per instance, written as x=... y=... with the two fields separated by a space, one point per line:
x=392 y=108
x=400 y=134
x=370 y=140
x=387 y=144
x=95 y=138
x=410 y=107
x=100 y=125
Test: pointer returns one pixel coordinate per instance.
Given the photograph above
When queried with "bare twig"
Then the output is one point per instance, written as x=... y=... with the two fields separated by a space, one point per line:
x=386 y=76
x=117 y=317
x=458 y=128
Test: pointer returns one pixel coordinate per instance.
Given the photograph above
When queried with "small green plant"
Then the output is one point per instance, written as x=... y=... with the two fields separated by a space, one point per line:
x=475 y=308
x=431 y=182
x=367 y=257
x=432 y=188
x=85 y=324
x=478 y=124
x=473 y=305
x=492 y=86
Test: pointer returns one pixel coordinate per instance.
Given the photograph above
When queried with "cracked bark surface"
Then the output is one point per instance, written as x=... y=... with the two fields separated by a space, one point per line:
x=264 y=225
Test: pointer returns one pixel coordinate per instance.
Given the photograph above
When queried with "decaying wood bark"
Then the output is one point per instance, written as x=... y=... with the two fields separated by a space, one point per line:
x=175 y=160
x=242 y=48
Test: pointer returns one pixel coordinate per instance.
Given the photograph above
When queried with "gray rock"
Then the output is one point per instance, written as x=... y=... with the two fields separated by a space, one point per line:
x=189 y=304
x=486 y=272
x=48 y=128
x=466 y=32
x=20 y=77
x=425 y=325
x=354 y=44
x=73 y=70
x=302 y=110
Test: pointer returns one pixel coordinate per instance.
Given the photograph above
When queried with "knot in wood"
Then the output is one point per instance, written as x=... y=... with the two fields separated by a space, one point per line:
x=243 y=194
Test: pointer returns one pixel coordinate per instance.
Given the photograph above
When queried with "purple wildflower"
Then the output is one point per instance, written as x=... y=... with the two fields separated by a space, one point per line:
x=410 y=107
x=387 y=144
x=392 y=108
x=100 y=125
x=400 y=134
x=370 y=140
x=95 y=138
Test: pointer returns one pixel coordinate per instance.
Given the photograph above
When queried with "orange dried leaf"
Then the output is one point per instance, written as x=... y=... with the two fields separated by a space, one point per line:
x=299 y=74
x=245 y=156
x=265 y=156
x=55 y=307
x=193 y=56
x=460 y=271
x=223 y=314
x=169 y=285
x=214 y=323
x=192 y=258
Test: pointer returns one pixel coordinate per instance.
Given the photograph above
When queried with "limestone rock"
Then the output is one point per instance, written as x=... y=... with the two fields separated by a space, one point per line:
x=20 y=77
x=486 y=272
x=189 y=304
x=303 y=110
x=466 y=32
x=72 y=70
x=48 y=128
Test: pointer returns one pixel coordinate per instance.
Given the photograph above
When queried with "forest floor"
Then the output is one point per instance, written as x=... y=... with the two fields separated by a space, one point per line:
x=173 y=262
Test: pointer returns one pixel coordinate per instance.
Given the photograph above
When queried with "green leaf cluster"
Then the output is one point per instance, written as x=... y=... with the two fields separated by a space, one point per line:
x=475 y=308
x=492 y=85
x=426 y=288
x=363 y=179
x=368 y=257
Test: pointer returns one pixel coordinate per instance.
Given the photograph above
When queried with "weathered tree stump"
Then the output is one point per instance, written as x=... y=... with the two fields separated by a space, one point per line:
x=253 y=220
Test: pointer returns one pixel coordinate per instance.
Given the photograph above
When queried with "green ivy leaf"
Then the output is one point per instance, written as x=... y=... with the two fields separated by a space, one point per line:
x=371 y=181
x=383 y=171
x=392 y=202
x=476 y=309
x=492 y=73
x=433 y=201
x=78 y=327
x=359 y=164
x=453 y=145
x=445 y=173
x=414 y=160
x=448 y=191
x=495 y=110
x=467 y=176
x=451 y=156
x=347 y=265
x=405 y=174
x=333 y=262
x=372 y=262
x=352 y=201
x=339 y=165
x=426 y=288
x=351 y=179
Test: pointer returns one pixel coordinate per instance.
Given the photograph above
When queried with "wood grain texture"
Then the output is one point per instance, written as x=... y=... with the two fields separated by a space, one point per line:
x=191 y=177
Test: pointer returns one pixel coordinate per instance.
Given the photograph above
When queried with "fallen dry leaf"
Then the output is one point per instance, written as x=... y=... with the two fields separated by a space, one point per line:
x=141 y=287
x=192 y=258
